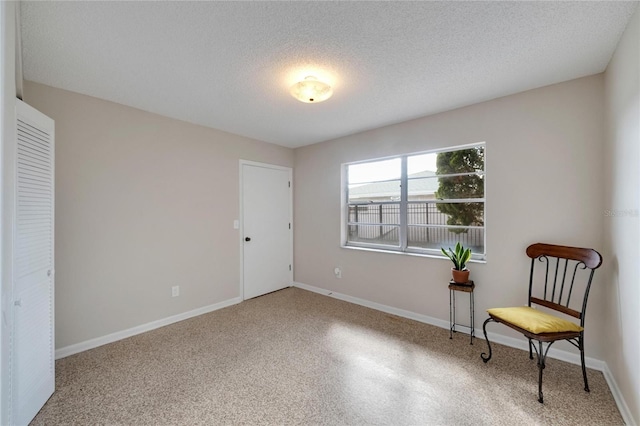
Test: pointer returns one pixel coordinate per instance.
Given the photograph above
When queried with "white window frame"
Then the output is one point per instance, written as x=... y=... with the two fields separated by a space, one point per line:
x=404 y=203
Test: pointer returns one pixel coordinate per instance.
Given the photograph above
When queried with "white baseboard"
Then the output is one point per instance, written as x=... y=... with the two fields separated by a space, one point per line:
x=523 y=344
x=119 y=335
x=627 y=416
x=377 y=306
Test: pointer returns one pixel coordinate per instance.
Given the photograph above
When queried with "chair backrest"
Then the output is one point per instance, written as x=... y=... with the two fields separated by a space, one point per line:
x=560 y=269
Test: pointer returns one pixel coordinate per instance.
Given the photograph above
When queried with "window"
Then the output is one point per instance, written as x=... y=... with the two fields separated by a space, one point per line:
x=418 y=203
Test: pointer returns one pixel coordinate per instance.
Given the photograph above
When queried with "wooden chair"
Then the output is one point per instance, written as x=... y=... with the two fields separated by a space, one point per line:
x=551 y=286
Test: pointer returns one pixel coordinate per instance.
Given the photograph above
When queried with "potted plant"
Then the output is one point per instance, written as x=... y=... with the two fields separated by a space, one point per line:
x=459 y=257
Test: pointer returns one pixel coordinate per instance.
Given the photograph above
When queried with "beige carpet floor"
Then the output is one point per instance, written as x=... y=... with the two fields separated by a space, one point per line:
x=296 y=357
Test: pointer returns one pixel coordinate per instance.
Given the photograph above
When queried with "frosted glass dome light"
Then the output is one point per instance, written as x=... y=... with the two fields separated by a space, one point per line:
x=311 y=90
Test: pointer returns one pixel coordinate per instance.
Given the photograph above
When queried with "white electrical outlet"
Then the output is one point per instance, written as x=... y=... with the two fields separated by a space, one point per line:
x=175 y=291
x=338 y=272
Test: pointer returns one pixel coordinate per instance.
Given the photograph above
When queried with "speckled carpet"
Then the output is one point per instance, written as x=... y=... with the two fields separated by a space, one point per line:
x=295 y=357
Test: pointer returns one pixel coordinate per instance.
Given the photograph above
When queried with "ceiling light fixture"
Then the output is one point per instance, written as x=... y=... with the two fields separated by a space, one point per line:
x=311 y=90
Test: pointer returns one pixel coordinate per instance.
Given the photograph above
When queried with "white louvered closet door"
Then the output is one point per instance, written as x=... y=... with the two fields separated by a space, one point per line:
x=32 y=354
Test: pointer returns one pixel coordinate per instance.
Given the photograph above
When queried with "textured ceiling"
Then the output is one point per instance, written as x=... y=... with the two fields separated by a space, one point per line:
x=229 y=65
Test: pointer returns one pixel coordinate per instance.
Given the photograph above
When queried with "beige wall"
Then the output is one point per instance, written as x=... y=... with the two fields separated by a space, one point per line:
x=143 y=203
x=544 y=183
x=622 y=195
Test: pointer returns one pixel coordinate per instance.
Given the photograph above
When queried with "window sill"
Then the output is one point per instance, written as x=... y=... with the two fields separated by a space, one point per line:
x=404 y=253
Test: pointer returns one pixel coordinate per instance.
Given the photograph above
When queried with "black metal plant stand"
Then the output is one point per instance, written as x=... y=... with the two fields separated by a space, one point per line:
x=467 y=287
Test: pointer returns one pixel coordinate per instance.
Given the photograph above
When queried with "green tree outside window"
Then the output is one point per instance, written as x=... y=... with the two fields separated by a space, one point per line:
x=466 y=186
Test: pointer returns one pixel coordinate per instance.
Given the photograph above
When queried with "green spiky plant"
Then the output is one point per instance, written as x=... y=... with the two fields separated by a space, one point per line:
x=459 y=257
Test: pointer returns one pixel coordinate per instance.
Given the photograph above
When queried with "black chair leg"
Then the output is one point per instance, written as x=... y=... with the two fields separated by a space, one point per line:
x=483 y=355
x=584 y=368
x=540 y=368
x=530 y=350
x=542 y=355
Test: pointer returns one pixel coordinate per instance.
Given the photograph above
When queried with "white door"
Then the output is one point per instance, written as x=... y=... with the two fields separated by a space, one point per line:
x=266 y=228
x=32 y=345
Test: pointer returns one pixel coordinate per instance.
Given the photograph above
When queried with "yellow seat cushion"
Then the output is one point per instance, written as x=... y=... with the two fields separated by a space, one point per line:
x=533 y=320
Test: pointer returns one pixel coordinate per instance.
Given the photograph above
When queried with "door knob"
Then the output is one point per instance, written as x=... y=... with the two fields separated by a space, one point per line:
x=247 y=239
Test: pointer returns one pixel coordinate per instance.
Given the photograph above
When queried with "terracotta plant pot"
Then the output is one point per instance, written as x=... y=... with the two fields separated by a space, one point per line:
x=460 y=277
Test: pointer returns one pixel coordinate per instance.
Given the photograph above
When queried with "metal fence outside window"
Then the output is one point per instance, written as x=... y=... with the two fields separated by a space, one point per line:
x=424 y=236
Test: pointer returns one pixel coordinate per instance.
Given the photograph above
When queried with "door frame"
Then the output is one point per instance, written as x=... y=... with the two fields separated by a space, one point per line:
x=243 y=163
x=7 y=151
